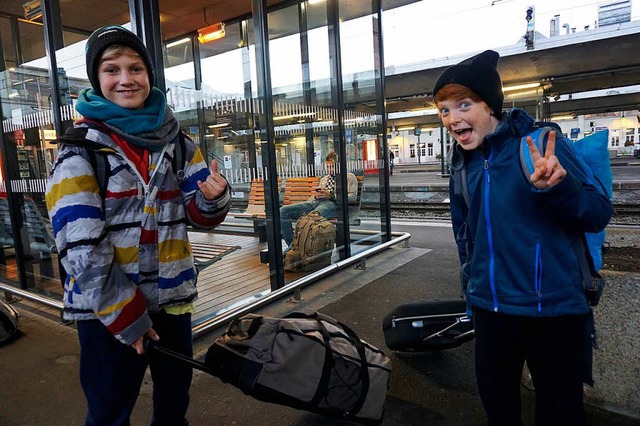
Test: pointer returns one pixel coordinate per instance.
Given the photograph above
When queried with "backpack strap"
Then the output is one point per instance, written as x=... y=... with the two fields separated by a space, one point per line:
x=538 y=136
x=100 y=165
x=177 y=162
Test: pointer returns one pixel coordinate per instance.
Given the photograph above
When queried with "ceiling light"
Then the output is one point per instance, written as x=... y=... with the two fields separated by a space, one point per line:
x=315 y=1
x=284 y=117
x=211 y=33
x=178 y=42
x=32 y=10
x=562 y=117
x=213 y=126
x=520 y=87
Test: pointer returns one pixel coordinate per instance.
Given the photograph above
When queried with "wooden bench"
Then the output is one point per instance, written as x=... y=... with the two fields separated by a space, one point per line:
x=299 y=189
x=255 y=209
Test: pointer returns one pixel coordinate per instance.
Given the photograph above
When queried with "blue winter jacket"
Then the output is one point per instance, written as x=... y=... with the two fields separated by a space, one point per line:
x=523 y=242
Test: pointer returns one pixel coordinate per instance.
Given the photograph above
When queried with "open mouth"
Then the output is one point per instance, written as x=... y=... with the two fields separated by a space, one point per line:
x=463 y=135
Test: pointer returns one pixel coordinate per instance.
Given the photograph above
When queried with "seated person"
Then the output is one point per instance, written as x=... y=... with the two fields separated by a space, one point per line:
x=323 y=201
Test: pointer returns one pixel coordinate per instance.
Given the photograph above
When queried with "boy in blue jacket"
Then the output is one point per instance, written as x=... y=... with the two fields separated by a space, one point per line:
x=517 y=237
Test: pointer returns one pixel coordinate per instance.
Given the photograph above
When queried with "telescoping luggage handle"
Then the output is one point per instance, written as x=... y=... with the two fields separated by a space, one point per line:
x=416 y=322
x=150 y=345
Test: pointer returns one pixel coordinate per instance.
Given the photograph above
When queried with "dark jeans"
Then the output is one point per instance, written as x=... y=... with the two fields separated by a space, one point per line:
x=555 y=350
x=111 y=373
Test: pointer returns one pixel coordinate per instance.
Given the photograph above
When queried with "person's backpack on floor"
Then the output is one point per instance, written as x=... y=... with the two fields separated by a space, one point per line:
x=312 y=245
x=9 y=323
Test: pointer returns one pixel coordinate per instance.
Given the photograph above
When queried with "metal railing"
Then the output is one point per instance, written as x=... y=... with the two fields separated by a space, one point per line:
x=220 y=320
x=232 y=314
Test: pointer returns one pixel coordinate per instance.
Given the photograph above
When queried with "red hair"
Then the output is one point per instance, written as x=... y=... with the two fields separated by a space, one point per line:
x=456 y=92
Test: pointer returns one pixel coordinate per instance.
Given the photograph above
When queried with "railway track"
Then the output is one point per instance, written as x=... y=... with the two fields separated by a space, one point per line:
x=624 y=213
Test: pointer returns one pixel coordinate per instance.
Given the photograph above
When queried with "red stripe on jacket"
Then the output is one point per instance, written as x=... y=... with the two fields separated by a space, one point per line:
x=129 y=314
x=197 y=216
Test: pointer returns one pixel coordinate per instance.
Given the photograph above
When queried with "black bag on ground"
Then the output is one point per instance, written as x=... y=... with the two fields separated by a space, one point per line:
x=9 y=322
x=312 y=244
x=309 y=362
x=427 y=325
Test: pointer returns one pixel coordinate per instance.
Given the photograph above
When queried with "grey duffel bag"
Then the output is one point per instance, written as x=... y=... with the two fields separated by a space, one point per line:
x=309 y=362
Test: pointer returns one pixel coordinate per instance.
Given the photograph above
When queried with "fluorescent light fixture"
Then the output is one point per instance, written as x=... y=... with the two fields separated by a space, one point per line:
x=520 y=87
x=404 y=129
x=32 y=10
x=315 y=1
x=14 y=94
x=178 y=42
x=414 y=113
x=562 y=117
x=284 y=117
x=211 y=33
x=214 y=126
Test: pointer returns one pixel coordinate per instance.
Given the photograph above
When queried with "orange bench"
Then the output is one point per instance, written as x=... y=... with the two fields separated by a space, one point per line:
x=299 y=189
x=255 y=209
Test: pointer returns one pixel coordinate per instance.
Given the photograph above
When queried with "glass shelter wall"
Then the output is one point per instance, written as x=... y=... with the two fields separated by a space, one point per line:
x=323 y=98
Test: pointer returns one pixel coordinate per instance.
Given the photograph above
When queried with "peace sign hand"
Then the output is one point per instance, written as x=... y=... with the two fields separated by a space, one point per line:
x=215 y=184
x=548 y=171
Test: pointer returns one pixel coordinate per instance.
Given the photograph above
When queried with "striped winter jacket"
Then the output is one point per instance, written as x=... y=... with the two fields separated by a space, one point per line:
x=129 y=254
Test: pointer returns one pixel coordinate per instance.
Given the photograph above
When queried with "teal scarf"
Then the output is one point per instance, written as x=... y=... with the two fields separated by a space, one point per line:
x=151 y=127
x=132 y=121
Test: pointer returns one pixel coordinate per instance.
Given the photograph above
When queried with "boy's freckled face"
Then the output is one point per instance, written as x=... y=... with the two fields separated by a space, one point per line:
x=124 y=79
x=467 y=121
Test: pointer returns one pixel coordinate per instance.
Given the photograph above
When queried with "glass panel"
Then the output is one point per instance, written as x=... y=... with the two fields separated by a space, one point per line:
x=363 y=124
x=27 y=252
x=303 y=125
x=218 y=115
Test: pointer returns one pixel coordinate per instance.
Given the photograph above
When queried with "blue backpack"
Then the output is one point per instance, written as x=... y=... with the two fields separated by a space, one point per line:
x=593 y=154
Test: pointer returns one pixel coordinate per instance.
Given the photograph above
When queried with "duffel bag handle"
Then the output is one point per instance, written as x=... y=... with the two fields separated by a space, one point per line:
x=254 y=326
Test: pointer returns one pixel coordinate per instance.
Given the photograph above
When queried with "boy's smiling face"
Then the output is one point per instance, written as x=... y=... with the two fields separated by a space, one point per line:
x=468 y=121
x=123 y=78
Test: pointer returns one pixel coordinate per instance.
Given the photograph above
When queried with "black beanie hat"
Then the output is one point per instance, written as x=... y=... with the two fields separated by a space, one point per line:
x=104 y=37
x=480 y=74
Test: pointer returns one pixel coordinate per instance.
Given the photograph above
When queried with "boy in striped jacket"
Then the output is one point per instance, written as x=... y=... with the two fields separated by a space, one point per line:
x=125 y=247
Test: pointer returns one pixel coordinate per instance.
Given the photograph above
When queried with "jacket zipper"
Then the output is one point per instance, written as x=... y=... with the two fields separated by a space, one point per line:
x=487 y=219
x=538 y=276
x=145 y=186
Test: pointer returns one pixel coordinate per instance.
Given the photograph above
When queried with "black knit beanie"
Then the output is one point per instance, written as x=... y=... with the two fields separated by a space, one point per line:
x=108 y=36
x=480 y=74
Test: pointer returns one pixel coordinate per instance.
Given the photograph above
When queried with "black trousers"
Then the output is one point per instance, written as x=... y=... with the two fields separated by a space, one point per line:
x=111 y=373
x=556 y=351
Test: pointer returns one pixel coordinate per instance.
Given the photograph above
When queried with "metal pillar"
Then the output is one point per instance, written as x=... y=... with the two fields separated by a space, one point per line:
x=145 y=22
x=378 y=46
x=267 y=137
x=335 y=63
x=306 y=80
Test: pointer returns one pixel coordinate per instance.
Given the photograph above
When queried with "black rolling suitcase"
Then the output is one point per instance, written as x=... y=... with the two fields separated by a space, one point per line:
x=427 y=325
